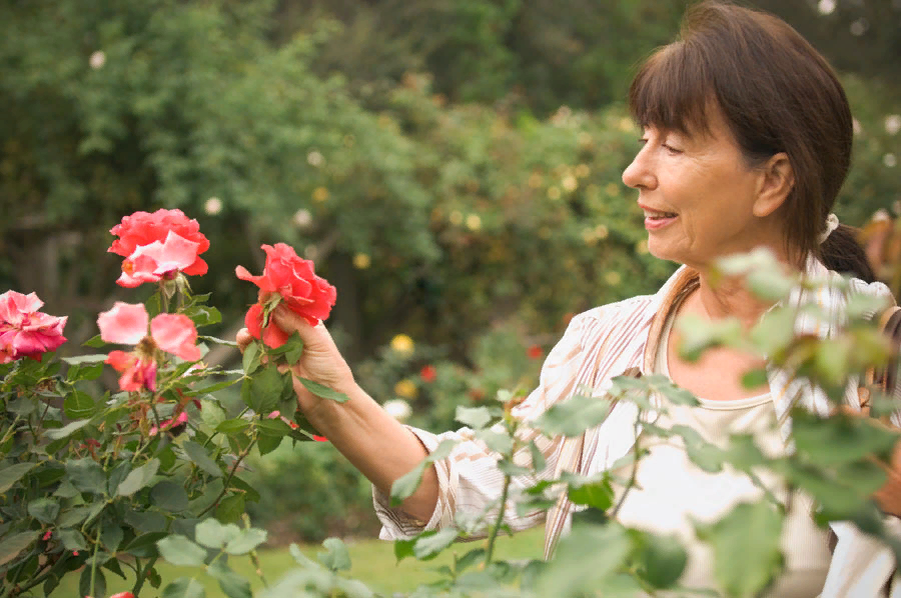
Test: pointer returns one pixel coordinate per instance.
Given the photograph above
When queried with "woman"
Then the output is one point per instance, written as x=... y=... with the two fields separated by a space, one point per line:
x=746 y=140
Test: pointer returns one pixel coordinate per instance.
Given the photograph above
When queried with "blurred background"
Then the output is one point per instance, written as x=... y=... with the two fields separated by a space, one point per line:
x=452 y=167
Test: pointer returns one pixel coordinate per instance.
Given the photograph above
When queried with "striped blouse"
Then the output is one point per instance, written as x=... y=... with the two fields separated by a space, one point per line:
x=598 y=345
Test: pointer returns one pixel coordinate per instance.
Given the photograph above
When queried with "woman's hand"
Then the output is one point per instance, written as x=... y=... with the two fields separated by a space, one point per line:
x=320 y=361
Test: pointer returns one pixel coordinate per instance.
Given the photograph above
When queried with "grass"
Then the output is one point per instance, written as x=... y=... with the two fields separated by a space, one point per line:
x=373 y=563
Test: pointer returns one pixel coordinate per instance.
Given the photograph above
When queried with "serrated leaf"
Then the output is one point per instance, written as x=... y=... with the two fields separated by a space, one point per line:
x=199 y=457
x=179 y=550
x=572 y=417
x=403 y=549
x=144 y=546
x=246 y=541
x=86 y=475
x=231 y=584
x=231 y=508
x=67 y=430
x=250 y=360
x=749 y=535
x=214 y=534
x=474 y=417
x=169 y=497
x=72 y=539
x=261 y=392
x=598 y=495
x=78 y=405
x=585 y=558
x=336 y=558
x=429 y=546
x=98 y=358
x=12 y=474
x=324 y=391
x=184 y=587
x=138 y=478
x=44 y=510
x=11 y=546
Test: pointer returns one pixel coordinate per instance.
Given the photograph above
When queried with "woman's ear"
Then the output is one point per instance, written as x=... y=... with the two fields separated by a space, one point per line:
x=776 y=182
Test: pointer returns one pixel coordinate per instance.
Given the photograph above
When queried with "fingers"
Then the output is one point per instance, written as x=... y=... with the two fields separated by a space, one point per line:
x=243 y=339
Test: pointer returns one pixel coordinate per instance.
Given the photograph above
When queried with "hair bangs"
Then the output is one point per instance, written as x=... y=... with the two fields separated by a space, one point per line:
x=672 y=91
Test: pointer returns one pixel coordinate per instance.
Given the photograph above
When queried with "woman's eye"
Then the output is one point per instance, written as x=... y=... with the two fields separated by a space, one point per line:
x=671 y=149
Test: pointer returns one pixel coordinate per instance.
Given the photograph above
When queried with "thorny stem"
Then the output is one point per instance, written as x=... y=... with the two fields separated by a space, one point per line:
x=228 y=479
x=11 y=430
x=511 y=425
x=253 y=556
x=38 y=580
x=141 y=575
x=94 y=560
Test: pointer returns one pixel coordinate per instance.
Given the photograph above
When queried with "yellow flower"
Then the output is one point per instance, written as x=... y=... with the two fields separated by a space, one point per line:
x=570 y=183
x=403 y=344
x=361 y=261
x=406 y=389
x=320 y=194
x=473 y=222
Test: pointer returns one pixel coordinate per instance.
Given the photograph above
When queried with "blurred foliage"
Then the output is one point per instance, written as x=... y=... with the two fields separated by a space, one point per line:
x=453 y=167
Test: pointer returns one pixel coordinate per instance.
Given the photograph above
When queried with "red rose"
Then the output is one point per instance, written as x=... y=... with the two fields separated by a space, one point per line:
x=143 y=228
x=301 y=290
x=534 y=352
x=428 y=373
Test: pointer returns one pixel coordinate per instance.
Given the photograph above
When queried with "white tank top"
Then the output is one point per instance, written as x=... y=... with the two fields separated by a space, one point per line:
x=671 y=491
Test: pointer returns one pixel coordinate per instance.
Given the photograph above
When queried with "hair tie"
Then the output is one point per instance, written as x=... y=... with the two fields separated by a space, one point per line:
x=831 y=225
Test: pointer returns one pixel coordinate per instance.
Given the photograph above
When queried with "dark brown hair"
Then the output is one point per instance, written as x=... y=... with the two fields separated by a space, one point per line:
x=777 y=94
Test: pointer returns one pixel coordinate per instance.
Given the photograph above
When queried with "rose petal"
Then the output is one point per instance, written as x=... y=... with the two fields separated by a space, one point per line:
x=253 y=320
x=261 y=281
x=275 y=337
x=125 y=323
x=176 y=334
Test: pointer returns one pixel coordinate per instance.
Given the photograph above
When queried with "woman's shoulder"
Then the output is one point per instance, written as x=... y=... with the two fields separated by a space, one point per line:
x=619 y=313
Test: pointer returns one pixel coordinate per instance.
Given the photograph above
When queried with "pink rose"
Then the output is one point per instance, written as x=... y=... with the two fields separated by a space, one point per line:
x=158 y=261
x=142 y=228
x=127 y=324
x=24 y=331
x=292 y=277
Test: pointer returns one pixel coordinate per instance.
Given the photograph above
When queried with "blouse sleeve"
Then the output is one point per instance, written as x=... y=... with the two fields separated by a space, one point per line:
x=468 y=480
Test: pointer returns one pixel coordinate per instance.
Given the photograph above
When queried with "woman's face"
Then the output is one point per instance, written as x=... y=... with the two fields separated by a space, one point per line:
x=698 y=195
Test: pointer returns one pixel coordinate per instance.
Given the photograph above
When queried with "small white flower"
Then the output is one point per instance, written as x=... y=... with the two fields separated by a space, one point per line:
x=893 y=124
x=314 y=158
x=890 y=160
x=98 y=59
x=398 y=409
x=213 y=206
x=302 y=218
x=826 y=7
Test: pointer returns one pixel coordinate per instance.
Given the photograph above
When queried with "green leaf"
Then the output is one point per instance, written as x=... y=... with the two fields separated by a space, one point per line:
x=203 y=315
x=233 y=426
x=212 y=388
x=199 y=457
x=181 y=551
x=12 y=474
x=95 y=342
x=403 y=549
x=336 y=558
x=661 y=560
x=66 y=430
x=292 y=349
x=87 y=475
x=840 y=438
x=572 y=417
x=44 y=510
x=474 y=417
x=84 y=372
x=246 y=541
x=111 y=536
x=213 y=534
x=85 y=587
x=538 y=461
x=138 y=478
x=469 y=559
x=11 y=546
x=144 y=546
x=169 y=496
x=749 y=535
x=261 y=392
x=146 y=521
x=267 y=444
x=72 y=539
x=85 y=359
x=251 y=358
x=231 y=508
x=585 y=558
x=598 y=495
x=499 y=442
x=232 y=584
x=406 y=485
x=324 y=391
x=184 y=587
x=708 y=457
x=429 y=544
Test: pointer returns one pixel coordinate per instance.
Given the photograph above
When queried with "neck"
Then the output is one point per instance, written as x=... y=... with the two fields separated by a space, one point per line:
x=728 y=297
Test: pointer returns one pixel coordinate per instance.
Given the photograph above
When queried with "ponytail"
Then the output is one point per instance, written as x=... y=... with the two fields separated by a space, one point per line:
x=841 y=252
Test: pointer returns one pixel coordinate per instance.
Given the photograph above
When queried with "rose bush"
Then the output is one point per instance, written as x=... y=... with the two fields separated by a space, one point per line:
x=92 y=481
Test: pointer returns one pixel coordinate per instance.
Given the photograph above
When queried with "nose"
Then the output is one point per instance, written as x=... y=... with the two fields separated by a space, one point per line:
x=639 y=174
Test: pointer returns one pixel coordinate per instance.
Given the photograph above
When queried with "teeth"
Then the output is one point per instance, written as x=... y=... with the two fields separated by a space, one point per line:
x=653 y=214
